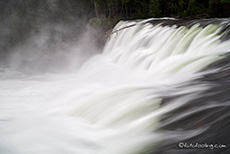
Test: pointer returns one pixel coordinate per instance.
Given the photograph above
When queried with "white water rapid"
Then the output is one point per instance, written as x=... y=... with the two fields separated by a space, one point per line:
x=112 y=105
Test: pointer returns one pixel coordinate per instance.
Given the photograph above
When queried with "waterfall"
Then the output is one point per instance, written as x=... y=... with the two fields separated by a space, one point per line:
x=159 y=83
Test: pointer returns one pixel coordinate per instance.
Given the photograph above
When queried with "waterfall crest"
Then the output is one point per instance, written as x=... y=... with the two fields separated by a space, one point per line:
x=154 y=86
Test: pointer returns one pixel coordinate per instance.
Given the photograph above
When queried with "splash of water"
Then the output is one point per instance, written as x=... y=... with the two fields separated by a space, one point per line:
x=113 y=105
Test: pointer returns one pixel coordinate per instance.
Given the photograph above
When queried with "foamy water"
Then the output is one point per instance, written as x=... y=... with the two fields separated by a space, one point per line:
x=112 y=105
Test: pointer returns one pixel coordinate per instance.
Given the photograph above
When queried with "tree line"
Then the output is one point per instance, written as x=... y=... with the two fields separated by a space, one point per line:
x=129 y=9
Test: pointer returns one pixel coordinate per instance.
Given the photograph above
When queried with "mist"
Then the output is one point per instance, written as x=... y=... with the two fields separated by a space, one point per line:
x=48 y=36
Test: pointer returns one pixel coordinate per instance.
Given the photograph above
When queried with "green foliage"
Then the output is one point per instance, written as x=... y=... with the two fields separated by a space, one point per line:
x=225 y=1
x=133 y=9
x=154 y=8
x=124 y=2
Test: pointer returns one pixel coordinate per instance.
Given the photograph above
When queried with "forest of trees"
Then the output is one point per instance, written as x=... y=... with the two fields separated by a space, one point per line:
x=160 y=8
x=113 y=10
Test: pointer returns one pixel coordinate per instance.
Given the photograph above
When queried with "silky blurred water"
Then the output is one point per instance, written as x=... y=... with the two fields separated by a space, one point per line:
x=113 y=103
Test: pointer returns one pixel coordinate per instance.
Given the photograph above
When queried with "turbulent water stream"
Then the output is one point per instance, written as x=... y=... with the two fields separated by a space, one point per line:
x=156 y=84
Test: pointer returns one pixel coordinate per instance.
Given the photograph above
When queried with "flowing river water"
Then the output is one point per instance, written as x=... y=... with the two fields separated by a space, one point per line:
x=157 y=83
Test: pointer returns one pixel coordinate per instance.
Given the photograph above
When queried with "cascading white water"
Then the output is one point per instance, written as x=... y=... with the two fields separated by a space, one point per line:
x=157 y=48
x=112 y=105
